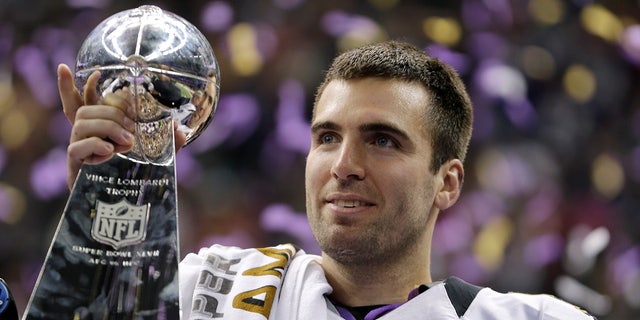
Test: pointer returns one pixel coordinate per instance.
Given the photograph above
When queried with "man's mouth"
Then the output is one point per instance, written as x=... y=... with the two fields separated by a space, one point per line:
x=349 y=203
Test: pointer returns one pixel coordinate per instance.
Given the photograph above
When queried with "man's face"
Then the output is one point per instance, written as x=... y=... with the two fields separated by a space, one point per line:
x=369 y=189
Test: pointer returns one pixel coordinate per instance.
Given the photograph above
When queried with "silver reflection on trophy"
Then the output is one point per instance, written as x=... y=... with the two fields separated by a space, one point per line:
x=166 y=65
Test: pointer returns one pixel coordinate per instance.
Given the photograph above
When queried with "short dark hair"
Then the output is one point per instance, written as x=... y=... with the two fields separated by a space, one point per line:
x=449 y=114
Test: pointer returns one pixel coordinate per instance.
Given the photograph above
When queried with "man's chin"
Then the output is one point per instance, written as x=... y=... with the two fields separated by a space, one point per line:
x=350 y=250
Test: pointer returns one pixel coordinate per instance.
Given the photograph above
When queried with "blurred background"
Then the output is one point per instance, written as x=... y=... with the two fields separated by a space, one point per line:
x=551 y=202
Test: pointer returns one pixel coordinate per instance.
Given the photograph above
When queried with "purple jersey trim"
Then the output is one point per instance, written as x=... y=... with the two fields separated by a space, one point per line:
x=377 y=312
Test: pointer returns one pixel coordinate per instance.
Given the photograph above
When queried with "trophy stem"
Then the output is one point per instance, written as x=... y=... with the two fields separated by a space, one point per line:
x=115 y=252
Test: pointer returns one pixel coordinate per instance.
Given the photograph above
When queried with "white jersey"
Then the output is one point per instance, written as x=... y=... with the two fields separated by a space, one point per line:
x=285 y=283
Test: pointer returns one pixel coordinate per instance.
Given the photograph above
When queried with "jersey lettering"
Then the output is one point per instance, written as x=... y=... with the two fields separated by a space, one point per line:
x=212 y=280
x=216 y=280
x=276 y=268
x=220 y=264
x=214 y=283
x=259 y=300
x=205 y=306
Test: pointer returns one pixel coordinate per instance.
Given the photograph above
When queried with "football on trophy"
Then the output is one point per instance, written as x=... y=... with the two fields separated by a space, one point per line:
x=161 y=63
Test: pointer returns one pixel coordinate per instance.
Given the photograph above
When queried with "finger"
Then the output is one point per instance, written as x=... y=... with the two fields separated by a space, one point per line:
x=106 y=112
x=91 y=95
x=104 y=129
x=114 y=110
x=122 y=99
x=91 y=151
x=69 y=95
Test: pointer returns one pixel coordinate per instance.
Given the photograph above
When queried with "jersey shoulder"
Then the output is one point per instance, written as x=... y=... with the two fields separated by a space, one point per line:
x=489 y=304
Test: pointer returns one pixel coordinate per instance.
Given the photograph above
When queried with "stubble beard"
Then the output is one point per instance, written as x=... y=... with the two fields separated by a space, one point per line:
x=377 y=244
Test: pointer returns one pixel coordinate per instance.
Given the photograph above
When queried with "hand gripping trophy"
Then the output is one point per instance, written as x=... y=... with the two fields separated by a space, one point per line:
x=115 y=252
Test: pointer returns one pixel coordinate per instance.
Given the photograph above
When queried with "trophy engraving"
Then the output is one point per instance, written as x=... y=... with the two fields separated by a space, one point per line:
x=115 y=252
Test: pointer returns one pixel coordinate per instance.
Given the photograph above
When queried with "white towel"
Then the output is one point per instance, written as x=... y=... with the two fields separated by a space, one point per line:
x=265 y=283
x=304 y=291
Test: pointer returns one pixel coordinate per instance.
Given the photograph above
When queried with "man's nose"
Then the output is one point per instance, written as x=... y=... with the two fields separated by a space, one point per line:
x=349 y=163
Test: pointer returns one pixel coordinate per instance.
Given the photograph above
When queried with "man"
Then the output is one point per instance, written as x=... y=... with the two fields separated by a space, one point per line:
x=390 y=130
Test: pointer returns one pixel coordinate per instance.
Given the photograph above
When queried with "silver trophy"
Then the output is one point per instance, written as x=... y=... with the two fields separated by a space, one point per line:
x=115 y=252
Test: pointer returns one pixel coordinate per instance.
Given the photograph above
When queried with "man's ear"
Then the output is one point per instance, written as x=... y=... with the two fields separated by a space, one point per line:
x=452 y=175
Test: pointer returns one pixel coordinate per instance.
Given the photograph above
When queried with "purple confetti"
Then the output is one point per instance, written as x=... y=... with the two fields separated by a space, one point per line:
x=475 y=15
x=216 y=16
x=466 y=266
x=188 y=169
x=49 y=175
x=236 y=118
x=31 y=64
x=543 y=250
x=456 y=60
x=281 y=218
x=59 y=128
x=521 y=113
x=336 y=23
x=487 y=45
x=624 y=266
x=630 y=43
x=292 y=131
x=453 y=233
x=267 y=40
x=540 y=207
x=97 y=4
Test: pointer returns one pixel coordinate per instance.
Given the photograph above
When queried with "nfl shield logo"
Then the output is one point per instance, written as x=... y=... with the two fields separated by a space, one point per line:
x=120 y=224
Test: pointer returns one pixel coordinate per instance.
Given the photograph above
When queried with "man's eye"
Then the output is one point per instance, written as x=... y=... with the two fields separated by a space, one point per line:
x=384 y=141
x=327 y=138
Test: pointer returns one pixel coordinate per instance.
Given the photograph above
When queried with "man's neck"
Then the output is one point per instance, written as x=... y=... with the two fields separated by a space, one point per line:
x=373 y=285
